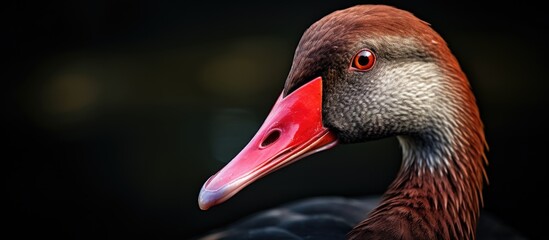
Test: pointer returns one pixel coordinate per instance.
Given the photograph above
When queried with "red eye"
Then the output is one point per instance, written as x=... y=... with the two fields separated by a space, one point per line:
x=363 y=60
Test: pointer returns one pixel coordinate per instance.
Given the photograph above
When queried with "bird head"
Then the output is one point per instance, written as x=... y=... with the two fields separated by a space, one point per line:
x=358 y=74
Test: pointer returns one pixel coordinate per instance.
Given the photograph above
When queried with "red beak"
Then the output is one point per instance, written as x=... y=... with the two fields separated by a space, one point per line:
x=292 y=131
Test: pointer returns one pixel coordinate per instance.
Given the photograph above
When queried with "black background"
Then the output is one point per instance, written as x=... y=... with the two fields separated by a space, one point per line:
x=118 y=111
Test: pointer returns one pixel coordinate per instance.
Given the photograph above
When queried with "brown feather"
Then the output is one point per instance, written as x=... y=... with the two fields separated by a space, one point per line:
x=419 y=204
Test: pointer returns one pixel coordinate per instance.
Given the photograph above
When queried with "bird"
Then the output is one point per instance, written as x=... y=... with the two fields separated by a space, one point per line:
x=359 y=74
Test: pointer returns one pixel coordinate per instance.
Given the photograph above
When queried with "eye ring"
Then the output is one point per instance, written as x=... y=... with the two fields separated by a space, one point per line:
x=363 y=61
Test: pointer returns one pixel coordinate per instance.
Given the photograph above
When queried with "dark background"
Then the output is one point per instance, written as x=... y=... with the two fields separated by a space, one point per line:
x=118 y=111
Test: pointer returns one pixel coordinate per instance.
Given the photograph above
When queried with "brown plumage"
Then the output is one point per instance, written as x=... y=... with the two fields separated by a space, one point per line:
x=416 y=92
x=420 y=204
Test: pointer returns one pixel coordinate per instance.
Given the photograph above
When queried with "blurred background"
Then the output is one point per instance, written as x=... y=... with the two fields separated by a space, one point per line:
x=118 y=111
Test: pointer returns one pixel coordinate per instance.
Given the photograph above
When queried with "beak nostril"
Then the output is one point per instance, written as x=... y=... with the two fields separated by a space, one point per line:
x=271 y=138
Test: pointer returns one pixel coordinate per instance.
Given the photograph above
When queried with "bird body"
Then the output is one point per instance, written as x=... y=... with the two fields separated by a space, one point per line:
x=328 y=218
x=364 y=73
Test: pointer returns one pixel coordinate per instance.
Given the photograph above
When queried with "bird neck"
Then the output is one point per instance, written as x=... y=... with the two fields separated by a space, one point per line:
x=438 y=192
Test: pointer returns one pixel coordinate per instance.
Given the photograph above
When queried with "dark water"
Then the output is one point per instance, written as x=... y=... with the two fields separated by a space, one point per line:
x=117 y=112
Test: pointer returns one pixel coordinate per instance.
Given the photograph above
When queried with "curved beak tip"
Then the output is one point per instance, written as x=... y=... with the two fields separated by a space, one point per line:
x=207 y=199
x=203 y=203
